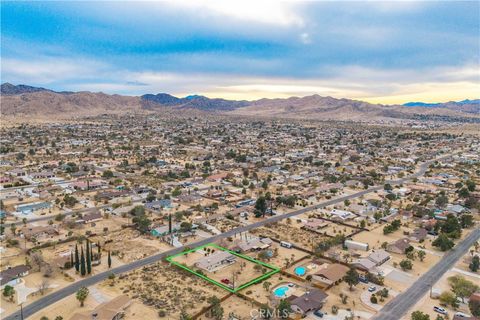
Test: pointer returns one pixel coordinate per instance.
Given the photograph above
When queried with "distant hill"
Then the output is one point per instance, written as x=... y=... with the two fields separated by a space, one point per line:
x=10 y=89
x=469 y=106
x=150 y=101
x=26 y=101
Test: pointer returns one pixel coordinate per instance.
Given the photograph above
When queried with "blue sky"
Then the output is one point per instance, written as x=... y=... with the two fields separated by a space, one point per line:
x=387 y=52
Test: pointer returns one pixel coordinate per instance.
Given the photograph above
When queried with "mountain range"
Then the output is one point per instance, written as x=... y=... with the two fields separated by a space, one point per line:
x=20 y=101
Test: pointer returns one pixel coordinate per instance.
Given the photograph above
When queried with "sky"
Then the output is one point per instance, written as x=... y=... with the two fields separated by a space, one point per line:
x=383 y=52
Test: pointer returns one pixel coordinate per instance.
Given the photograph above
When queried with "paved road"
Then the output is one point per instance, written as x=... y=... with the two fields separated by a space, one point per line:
x=403 y=303
x=71 y=289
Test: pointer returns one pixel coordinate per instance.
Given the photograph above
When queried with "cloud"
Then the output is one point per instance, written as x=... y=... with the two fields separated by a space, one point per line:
x=266 y=11
x=245 y=49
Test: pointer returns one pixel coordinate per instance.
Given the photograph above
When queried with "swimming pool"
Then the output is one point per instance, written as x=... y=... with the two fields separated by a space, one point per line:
x=281 y=292
x=300 y=271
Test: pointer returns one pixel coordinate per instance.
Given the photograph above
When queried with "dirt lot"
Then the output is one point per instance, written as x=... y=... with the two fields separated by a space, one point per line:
x=164 y=287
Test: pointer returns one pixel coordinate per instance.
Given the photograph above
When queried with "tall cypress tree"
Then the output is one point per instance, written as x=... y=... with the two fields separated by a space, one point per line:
x=109 y=260
x=77 y=260
x=71 y=259
x=89 y=258
x=169 y=224
x=82 y=263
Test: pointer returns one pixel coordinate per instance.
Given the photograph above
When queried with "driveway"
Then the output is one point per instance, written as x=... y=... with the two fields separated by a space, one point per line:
x=397 y=275
x=341 y=315
x=365 y=296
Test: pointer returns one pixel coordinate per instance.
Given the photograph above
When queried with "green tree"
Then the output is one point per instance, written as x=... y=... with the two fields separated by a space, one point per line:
x=351 y=278
x=461 y=287
x=107 y=174
x=421 y=255
x=470 y=185
x=448 y=299
x=419 y=315
x=89 y=257
x=82 y=295
x=83 y=271
x=142 y=223
x=443 y=242
x=441 y=201
x=77 y=260
x=8 y=292
x=284 y=309
x=466 y=221
x=109 y=260
x=451 y=227
x=406 y=264
x=185 y=226
x=475 y=264
x=260 y=206
x=216 y=310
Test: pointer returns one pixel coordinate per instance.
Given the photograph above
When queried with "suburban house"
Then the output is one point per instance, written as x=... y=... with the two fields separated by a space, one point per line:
x=92 y=217
x=111 y=310
x=331 y=274
x=418 y=235
x=365 y=265
x=12 y=276
x=215 y=261
x=309 y=301
x=253 y=244
x=31 y=207
x=341 y=215
x=158 y=205
x=379 y=257
x=38 y=233
x=313 y=224
x=398 y=246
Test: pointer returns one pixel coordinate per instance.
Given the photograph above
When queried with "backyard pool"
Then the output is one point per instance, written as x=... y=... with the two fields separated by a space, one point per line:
x=300 y=271
x=281 y=292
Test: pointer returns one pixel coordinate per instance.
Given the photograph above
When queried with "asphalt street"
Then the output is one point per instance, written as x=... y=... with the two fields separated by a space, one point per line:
x=403 y=303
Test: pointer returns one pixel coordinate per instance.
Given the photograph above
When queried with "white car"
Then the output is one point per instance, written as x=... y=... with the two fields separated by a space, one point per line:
x=440 y=310
x=461 y=315
x=372 y=289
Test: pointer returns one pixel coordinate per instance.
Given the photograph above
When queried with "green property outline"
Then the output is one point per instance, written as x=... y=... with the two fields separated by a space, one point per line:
x=221 y=285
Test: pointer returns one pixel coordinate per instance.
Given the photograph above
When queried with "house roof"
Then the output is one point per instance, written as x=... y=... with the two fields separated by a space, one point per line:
x=365 y=264
x=333 y=272
x=213 y=259
x=401 y=244
x=12 y=273
x=105 y=311
x=419 y=234
x=310 y=300
x=379 y=256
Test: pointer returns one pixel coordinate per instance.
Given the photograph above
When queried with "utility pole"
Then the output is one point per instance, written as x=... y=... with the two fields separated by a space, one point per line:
x=21 y=310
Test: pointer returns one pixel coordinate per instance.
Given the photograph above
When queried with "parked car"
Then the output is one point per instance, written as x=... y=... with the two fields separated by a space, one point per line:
x=461 y=315
x=319 y=313
x=226 y=281
x=372 y=289
x=362 y=278
x=440 y=310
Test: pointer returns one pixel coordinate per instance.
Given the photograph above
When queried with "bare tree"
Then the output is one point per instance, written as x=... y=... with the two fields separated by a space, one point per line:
x=48 y=271
x=37 y=260
x=43 y=286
